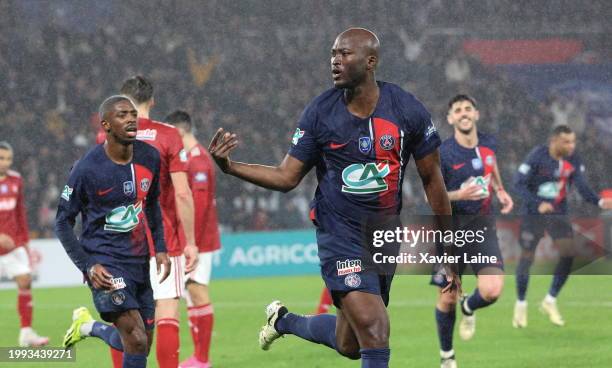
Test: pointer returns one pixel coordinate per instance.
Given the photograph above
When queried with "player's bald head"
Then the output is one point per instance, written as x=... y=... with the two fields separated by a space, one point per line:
x=108 y=105
x=360 y=38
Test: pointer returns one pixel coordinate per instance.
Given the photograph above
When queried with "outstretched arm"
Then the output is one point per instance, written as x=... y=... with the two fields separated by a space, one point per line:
x=283 y=177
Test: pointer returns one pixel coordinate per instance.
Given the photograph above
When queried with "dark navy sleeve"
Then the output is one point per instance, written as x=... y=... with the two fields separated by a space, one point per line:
x=424 y=135
x=444 y=165
x=303 y=143
x=525 y=172
x=72 y=201
x=153 y=212
x=491 y=142
x=583 y=187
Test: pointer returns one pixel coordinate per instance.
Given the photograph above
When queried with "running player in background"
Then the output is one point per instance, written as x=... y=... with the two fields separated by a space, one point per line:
x=360 y=136
x=543 y=181
x=202 y=182
x=177 y=210
x=14 y=258
x=470 y=171
x=114 y=187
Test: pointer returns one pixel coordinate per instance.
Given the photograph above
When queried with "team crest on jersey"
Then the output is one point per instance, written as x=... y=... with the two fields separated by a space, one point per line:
x=489 y=160
x=387 y=142
x=145 y=184
x=352 y=280
x=66 y=193
x=123 y=219
x=365 y=144
x=117 y=297
x=477 y=163
x=297 y=135
x=365 y=178
x=128 y=187
x=183 y=156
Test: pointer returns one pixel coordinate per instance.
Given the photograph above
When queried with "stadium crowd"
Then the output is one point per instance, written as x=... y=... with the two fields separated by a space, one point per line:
x=253 y=74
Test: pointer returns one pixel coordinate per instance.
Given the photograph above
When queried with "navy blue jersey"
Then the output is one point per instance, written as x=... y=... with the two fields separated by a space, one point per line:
x=113 y=200
x=360 y=162
x=541 y=178
x=461 y=165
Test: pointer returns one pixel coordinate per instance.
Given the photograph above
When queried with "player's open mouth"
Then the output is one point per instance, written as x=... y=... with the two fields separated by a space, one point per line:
x=131 y=131
x=336 y=74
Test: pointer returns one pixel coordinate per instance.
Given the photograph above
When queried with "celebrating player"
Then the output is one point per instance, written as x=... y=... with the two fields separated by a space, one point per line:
x=14 y=259
x=177 y=211
x=114 y=187
x=470 y=173
x=544 y=180
x=360 y=136
x=202 y=182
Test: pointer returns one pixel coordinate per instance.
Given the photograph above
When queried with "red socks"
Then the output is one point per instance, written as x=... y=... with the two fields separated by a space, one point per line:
x=168 y=343
x=117 y=357
x=201 y=323
x=325 y=303
x=24 y=307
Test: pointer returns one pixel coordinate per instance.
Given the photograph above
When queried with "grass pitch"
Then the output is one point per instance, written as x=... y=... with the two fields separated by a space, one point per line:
x=585 y=302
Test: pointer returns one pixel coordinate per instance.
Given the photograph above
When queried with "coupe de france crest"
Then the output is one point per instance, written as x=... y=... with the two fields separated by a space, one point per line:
x=365 y=144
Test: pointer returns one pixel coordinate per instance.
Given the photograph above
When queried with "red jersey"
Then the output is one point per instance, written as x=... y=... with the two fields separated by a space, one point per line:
x=202 y=182
x=168 y=142
x=13 y=219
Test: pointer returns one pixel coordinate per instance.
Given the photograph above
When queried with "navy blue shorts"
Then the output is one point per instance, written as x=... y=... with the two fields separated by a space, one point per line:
x=132 y=291
x=488 y=247
x=344 y=275
x=533 y=228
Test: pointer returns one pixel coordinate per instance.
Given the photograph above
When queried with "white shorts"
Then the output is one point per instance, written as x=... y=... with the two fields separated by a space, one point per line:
x=201 y=274
x=172 y=287
x=15 y=263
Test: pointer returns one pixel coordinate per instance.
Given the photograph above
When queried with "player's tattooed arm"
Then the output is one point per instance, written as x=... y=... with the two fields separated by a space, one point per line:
x=284 y=177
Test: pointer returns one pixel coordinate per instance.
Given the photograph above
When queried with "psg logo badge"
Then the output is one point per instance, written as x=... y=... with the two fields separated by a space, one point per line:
x=128 y=187
x=144 y=184
x=387 y=142
x=365 y=144
x=352 y=280
x=117 y=297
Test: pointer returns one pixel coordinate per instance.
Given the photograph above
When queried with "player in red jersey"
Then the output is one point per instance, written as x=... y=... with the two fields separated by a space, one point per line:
x=177 y=210
x=202 y=181
x=14 y=259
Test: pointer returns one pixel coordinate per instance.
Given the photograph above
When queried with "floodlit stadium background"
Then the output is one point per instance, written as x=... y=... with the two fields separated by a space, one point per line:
x=252 y=68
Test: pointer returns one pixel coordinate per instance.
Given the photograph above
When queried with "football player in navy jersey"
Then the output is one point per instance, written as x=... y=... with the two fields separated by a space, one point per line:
x=359 y=136
x=543 y=181
x=115 y=188
x=469 y=167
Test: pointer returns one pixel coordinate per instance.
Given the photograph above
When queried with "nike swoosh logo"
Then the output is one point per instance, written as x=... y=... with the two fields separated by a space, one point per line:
x=458 y=166
x=336 y=146
x=105 y=192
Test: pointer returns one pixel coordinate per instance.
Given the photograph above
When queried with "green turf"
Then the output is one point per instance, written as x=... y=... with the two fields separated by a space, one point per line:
x=585 y=341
